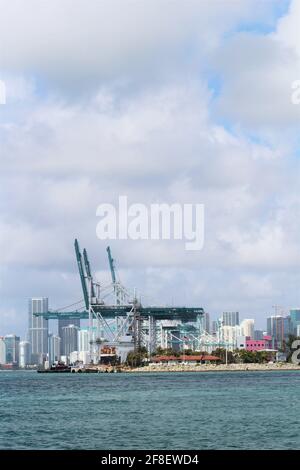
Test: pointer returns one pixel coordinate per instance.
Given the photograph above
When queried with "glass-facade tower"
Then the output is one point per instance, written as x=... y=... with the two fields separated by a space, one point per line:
x=38 y=329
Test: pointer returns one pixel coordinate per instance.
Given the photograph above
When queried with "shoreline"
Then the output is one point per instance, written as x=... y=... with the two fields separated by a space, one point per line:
x=251 y=367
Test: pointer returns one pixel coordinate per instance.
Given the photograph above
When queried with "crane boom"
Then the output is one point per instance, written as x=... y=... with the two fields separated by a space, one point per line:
x=81 y=274
x=111 y=265
x=88 y=270
x=113 y=276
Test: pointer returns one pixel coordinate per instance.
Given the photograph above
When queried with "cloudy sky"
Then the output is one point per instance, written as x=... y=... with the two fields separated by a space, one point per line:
x=184 y=101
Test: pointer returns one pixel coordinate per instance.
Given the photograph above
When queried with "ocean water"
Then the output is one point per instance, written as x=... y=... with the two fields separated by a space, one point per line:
x=215 y=410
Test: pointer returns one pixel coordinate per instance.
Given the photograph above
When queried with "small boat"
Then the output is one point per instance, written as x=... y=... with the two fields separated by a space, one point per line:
x=60 y=367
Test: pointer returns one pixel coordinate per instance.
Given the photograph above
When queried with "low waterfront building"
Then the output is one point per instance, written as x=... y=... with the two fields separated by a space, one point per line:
x=82 y=357
x=74 y=357
x=125 y=345
x=259 y=345
x=241 y=342
x=281 y=357
x=64 y=359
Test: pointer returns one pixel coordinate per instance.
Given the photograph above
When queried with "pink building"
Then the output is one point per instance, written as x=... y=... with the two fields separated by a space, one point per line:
x=259 y=344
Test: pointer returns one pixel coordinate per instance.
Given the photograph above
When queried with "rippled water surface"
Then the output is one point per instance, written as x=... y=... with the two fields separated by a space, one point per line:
x=224 y=410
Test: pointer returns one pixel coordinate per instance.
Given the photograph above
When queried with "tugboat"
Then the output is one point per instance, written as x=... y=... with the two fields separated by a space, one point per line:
x=58 y=367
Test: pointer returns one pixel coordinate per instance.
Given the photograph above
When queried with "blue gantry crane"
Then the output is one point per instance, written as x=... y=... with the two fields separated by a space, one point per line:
x=131 y=313
x=81 y=274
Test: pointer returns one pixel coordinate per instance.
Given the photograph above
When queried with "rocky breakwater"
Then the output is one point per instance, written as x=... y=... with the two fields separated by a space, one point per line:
x=215 y=368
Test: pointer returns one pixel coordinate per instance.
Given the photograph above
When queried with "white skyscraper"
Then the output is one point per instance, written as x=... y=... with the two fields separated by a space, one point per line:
x=24 y=353
x=54 y=348
x=61 y=324
x=2 y=351
x=229 y=336
x=70 y=339
x=38 y=329
x=247 y=327
x=83 y=340
x=230 y=318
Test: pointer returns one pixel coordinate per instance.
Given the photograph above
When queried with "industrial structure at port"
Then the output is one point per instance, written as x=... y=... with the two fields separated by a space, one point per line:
x=117 y=318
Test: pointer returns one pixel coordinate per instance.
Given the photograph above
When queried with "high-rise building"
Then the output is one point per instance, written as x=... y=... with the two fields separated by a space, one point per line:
x=54 y=348
x=204 y=323
x=24 y=353
x=230 y=318
x=62 y=324
x=207 y=322
x=12 y=349
x=288 y=328
x=230 y=335
x=275 y=328
x=2 y=351
x=38 y=329
x=295 y=319
x=247 y=327
x=83 y=340
x=258 y=334
x=70 y=339
x=214 y=327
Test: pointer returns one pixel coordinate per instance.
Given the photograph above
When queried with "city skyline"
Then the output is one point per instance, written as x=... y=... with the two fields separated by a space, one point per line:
x=54 y=329
x=77 y=345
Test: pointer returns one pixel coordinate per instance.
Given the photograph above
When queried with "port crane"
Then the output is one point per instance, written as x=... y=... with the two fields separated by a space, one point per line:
x=131 y=317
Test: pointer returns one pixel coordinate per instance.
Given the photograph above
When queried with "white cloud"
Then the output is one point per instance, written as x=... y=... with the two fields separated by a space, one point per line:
x=152 y=132
x=75 y=43
x=257 y=73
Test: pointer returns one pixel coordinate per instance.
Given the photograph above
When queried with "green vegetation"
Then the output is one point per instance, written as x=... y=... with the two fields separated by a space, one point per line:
x=256 y=357
x=241 y=356
x=171 y=352
x=235 y=357
x=136 y=358
x=221 y=353
x=166 y=352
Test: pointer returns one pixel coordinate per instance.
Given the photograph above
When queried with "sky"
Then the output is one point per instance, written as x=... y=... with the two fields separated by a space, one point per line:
x=165 y=101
